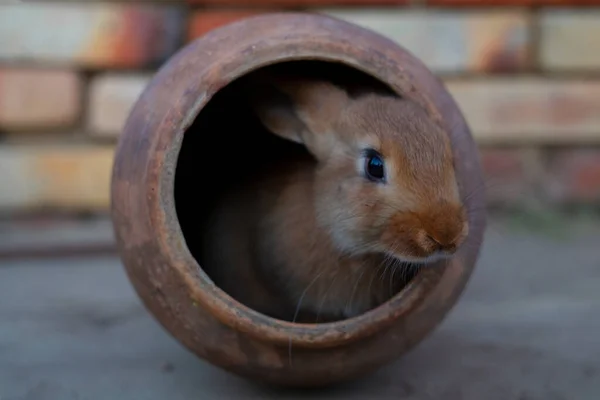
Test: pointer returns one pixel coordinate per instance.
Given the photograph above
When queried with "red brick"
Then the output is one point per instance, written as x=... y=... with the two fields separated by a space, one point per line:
x=452 y=41
x=203 y=21
x=573 y=175
x=36 y=98
x=297 y=3
x=65 y=177
x=507 y=175
x=525 y=110
x=111 y=97
x=92 y=35
x=496 y=3
x=570 y=40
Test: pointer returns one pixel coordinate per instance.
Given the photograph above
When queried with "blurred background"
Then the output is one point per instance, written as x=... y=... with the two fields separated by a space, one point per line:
x=526 y=74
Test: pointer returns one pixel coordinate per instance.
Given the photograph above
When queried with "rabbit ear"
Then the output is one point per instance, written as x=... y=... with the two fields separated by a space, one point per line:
x=303 y=112
x=277 y=113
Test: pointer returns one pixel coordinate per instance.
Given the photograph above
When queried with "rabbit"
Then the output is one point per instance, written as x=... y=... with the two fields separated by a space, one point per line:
x=333 y=234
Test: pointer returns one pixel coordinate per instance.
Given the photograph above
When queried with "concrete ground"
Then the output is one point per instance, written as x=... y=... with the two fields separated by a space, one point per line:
x=527 y=328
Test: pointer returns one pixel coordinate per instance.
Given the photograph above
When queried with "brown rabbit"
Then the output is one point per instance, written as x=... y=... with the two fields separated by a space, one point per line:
x=333 y=234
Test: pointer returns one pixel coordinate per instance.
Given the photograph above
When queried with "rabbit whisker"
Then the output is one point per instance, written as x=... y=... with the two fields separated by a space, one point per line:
x=395 y=266
x=374 y=273
x=298 y=309
x=349 y=302
x=320 y=307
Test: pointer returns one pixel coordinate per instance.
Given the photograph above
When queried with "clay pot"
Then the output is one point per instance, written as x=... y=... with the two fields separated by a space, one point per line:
x=148 y=221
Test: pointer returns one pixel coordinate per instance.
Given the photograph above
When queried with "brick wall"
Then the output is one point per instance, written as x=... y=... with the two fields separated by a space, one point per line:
x=525 y=73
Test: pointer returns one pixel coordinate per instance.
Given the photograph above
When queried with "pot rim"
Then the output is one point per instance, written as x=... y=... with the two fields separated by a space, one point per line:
x=202 y=290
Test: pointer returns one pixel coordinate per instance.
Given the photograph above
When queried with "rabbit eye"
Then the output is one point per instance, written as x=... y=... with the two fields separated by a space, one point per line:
x=374 y=166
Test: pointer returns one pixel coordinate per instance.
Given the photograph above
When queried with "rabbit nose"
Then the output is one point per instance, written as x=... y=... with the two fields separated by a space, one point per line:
x=443 y=246
x=447 y=240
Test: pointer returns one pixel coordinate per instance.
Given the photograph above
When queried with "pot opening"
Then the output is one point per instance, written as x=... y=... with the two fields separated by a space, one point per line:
x=227 y=146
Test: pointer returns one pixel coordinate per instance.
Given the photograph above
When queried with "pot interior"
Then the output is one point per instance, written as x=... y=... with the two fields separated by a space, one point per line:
x=227 y=145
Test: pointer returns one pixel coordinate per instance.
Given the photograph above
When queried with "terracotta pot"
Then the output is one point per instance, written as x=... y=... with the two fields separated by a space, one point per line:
x=154 y=249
